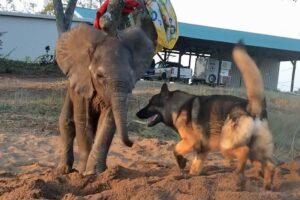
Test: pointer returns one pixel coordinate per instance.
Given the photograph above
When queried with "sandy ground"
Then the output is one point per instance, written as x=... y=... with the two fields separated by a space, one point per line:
x=145 y=171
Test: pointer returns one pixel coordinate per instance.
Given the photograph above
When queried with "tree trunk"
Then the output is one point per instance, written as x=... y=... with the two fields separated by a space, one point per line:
x=64 y=19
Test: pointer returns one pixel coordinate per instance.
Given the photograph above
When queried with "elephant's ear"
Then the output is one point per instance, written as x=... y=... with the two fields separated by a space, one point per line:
x=74 y=51
x=141 y=47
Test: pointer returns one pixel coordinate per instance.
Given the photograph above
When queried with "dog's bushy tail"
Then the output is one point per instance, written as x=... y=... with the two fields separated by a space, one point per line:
x=252 y=79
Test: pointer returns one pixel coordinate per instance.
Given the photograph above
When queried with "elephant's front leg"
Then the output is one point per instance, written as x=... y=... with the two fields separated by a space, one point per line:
x=67 y=135
x=105 y=133
x=81 y=120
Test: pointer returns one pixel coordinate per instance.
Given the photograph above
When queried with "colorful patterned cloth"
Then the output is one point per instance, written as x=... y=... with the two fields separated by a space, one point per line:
x=163 y=17
x=129 y=6
x=165 y=22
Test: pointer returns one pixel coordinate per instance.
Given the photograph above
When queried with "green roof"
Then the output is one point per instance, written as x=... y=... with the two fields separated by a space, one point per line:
x=86 y=12
x=222 y=35
x=232 y=36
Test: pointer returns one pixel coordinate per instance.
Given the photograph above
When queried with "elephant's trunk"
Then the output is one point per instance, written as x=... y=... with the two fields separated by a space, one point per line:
x=120 y=107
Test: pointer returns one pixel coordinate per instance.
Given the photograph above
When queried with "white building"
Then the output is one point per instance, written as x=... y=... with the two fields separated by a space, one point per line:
x=27 y=35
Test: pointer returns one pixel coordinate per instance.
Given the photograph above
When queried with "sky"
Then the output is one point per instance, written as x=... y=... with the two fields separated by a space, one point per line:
x=24 y=5
x=272 y=17
x=275 y=17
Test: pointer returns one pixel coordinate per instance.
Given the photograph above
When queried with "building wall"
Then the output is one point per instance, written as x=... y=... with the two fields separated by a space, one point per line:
x=269 y=69
x=27 y=35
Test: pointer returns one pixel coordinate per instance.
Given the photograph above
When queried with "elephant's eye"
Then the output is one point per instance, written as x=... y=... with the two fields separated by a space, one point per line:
x=100 y=75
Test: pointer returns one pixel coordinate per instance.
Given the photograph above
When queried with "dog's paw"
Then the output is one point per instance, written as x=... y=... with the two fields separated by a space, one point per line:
x=181 y=161
x=268 y=184
x=195 y=170
x=183 y=175
x=240 y=182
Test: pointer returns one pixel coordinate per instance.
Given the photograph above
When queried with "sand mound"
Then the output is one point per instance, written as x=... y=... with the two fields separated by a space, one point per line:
x=148 y=171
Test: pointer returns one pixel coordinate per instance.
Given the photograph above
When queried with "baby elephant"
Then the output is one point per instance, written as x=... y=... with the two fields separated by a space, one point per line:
x=102 y=71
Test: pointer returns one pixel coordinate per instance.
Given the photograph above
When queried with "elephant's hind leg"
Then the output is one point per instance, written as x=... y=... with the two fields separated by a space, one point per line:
x=67 y=135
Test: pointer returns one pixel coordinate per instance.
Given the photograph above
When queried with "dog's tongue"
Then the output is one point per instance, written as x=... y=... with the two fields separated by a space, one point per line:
x=151 y=119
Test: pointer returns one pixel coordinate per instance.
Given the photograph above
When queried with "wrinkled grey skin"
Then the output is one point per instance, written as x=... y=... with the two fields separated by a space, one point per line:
x=102 y=71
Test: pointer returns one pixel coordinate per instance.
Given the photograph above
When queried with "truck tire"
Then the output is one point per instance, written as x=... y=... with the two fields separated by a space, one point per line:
x=164 y=76
x=186 y=80
x=212 y=78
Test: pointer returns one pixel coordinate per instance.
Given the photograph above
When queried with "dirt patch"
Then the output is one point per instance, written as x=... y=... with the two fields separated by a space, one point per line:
x=145 y=171
x=29 y=144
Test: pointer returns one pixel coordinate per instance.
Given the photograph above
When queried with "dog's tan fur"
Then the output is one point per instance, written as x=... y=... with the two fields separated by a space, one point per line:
x=252 y=79
x=236 y=127
x=234 y=136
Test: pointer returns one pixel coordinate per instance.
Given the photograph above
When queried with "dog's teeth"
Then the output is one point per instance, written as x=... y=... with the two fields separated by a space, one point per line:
x=140 y=122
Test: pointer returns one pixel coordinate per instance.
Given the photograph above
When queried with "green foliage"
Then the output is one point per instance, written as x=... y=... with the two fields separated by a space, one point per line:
x=1 y=42
x=27 y=68
x=94 y=4
x=48 y=9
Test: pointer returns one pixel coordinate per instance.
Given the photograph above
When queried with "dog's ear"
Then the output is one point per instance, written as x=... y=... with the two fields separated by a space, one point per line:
x=164 y=89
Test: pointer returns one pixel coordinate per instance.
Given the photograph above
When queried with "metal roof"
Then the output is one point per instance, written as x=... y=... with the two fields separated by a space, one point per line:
x=232 y=36
x=86 y=13
x=199 y=38
x=38 y=16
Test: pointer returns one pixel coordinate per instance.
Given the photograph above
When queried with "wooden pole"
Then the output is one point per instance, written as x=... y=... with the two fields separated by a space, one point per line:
x=179 y=61
x=190 y=59
x=219 y=71
x=294 y=62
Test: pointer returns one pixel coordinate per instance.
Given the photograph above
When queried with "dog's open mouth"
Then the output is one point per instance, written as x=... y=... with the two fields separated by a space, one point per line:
x=153 y=120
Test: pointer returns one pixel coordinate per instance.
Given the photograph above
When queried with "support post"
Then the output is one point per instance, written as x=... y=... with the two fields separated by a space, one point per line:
x=179 y=61
x=294 y=62
x=160 y=57
x=219 y=71
x=190 y=59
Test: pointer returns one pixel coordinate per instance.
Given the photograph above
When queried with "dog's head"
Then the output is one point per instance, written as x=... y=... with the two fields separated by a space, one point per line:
x=156 y=110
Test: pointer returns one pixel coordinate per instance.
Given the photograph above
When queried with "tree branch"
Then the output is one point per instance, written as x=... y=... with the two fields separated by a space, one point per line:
x=63 y=20
x=69 y=13
x=59 y=14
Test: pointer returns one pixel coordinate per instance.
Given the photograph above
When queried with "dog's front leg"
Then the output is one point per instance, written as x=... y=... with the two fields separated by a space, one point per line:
x=198 y=162
x=182 y=148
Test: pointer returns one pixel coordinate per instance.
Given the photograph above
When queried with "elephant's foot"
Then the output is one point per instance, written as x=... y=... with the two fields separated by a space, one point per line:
x=92 y=171
x=65 y=163
x=83 y=159
x=63 y=169
x=81 y=167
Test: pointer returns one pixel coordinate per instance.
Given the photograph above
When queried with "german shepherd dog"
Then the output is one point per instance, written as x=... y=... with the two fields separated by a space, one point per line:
x=235 y=126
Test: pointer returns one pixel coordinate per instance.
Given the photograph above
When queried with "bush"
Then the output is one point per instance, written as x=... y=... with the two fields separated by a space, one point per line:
x=1 y=42
x=28 y=68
